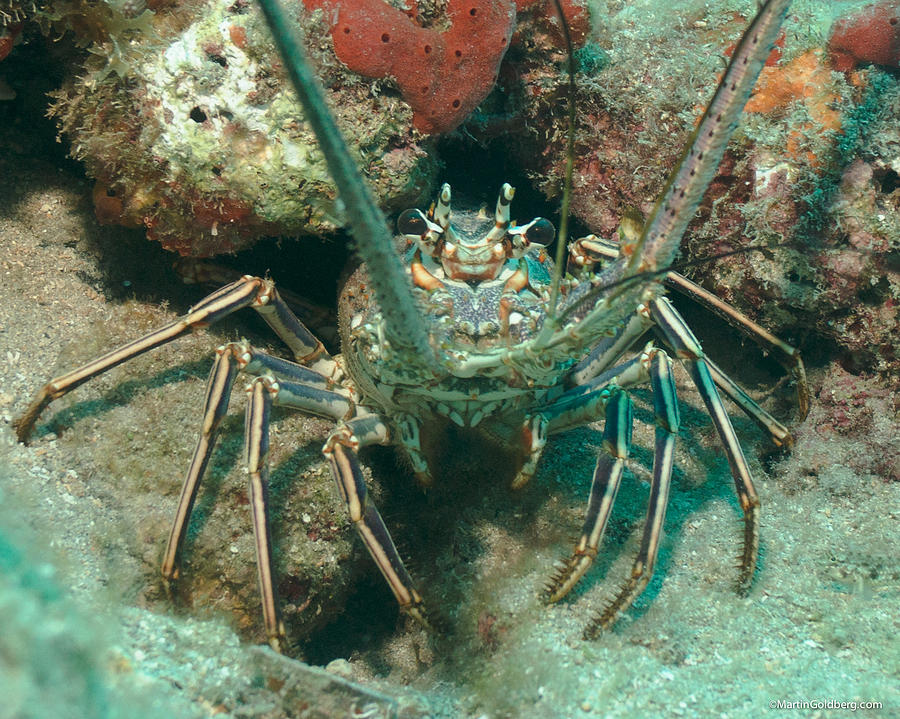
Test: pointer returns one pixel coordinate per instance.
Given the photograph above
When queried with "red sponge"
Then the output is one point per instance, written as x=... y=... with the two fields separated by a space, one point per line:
x=442 y=75
x=870 y=35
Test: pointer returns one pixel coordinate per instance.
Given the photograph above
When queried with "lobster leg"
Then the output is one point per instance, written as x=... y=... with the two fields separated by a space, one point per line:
x=665 y=407
x=261 y=392
x=609 y=350
x=777 y=432
x=688 y=350
x=341 y=450
x=260 y=294
x=590 y=250
x=604 y=487
x=789 y=357
x=302 y=393
x=656 y=365
x=215 y=405
x=534 y=438
x=587 y=403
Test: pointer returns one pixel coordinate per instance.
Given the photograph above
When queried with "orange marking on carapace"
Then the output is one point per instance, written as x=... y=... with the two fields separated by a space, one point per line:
x=422 y=277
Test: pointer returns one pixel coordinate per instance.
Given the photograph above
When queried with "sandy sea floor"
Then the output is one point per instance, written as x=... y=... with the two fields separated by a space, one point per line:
x=87 y=630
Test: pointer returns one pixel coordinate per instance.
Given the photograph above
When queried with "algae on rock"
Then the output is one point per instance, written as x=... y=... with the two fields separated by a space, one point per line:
x=192 y=131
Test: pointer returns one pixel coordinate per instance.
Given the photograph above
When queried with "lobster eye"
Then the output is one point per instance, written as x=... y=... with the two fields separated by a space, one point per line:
x=540 y=232
x=412 y=222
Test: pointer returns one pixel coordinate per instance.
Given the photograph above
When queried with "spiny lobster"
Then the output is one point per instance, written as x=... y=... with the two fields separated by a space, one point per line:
x=473 y=328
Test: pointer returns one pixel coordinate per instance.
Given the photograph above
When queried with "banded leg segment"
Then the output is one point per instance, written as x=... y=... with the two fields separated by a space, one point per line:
x=246 y=292
x=665 y=408
x=341 y=451
x=588 y=251
x=609 y=350
x=604 y=487
x=788 y=357
x=534 y=439
x=215 y=405
x=688 y=350
x=261 y=392
x=778 y=433
x=306 y=392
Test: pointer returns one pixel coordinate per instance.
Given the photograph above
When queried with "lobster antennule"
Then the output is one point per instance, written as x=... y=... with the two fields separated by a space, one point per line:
x=404 y=326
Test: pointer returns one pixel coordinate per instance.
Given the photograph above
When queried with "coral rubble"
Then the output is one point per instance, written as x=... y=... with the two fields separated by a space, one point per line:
x=187 y=122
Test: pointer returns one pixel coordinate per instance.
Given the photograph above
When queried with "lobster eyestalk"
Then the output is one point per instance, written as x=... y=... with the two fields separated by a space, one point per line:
x=405 y=327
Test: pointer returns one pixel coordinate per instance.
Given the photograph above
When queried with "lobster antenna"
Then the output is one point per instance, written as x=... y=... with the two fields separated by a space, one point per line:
x=404 y=325
x=562 y=237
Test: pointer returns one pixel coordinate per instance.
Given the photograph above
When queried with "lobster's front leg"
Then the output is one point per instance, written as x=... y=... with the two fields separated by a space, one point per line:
x=255 y=292
x=655 y=366
x=586 y=252
x=341 y=451
x=294 y=386
x=263 y=392
x=604 y=487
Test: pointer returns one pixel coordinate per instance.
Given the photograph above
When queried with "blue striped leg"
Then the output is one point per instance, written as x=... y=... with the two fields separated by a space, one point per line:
x=609 y=350
x=263 y=392
x=341 y=450
x=297 y=387
x=665 y=408
x=604 y=486
x=689 y=352
x=591 y=249
x=789 y=357
x=777 y=432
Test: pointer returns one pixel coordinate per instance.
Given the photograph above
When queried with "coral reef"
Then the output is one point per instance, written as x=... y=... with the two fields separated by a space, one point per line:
x=442 y=74
x=185 y=119
x=66 y=657
x=48 y=651
x=861 y=409
x=811 y=175
x=868 y=35
x=819 y=620
x=183 y=116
